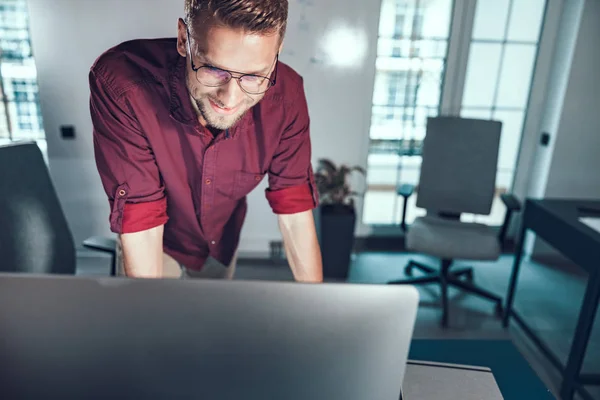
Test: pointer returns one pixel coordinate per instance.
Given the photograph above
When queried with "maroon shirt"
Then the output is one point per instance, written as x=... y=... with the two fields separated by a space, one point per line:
x=158 y=165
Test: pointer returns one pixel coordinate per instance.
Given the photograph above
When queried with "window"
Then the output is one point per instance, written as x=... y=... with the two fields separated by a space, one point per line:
x=20 y=112
x=503 y=51
x=411 y=57
x=501 y=39
x=28 y=111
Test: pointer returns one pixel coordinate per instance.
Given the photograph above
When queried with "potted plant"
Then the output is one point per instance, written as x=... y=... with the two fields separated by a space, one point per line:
x=336 y=217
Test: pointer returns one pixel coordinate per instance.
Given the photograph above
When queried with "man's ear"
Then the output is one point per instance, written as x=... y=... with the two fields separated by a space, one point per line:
x=181 y=38
x=280 y=47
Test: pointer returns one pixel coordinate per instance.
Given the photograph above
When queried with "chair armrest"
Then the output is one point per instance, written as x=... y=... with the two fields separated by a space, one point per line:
x=511 y=202
x=406 y=190
x=107 y=245
x=101 y=243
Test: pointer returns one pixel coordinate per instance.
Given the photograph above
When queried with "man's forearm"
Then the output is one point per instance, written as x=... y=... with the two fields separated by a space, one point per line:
x=143 y=253
x=301 y=246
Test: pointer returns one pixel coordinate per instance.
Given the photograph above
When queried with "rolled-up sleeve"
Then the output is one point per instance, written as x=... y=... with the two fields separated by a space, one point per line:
x=292 y=187
x=125 y=161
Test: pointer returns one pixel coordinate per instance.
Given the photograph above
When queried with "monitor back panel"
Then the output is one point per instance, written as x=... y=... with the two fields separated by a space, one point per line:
x=75 y=338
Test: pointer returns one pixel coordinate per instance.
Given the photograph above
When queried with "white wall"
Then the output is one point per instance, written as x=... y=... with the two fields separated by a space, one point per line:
x=575 y=167
x=564 y=44
x=332 y=44
x=67 y=36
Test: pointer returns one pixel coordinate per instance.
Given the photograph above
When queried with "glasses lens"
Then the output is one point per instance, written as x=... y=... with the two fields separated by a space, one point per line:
x=210 y=76
x=255 y=84
x=252 y=84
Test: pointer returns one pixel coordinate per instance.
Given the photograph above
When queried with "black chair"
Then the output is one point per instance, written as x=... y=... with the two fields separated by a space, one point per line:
x=458 y=175
x=34 y=233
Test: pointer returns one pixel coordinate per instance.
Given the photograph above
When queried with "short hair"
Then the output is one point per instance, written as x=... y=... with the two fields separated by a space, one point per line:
x=255 y=16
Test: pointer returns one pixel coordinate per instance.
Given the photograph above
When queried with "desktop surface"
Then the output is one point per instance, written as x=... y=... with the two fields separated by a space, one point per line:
x=74 y=337
x=513 y=374
x=571 y=212
x=431 y=380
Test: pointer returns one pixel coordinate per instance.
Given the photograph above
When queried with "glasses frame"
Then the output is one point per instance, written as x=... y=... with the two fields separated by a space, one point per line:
x=239 y=76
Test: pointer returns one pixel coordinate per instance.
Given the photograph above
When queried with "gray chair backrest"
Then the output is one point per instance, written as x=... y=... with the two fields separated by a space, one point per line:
x=34 y=235
x=458 y=170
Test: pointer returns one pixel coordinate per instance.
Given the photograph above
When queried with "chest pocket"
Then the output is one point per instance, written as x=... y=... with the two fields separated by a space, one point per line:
x=245 y=182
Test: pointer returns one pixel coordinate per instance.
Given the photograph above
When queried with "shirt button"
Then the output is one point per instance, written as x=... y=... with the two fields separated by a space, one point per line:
x=122 y=193
x=208 y=181
x=257 y=177
x=213 y=242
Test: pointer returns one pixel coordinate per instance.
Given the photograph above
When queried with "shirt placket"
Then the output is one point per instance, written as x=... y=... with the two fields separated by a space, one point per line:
x=208 y=190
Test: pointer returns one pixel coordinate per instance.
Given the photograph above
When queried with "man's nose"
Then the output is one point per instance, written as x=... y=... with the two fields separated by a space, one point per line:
x=231 y=93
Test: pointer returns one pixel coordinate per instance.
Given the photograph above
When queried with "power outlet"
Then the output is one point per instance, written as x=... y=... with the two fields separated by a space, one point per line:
x=67 y=132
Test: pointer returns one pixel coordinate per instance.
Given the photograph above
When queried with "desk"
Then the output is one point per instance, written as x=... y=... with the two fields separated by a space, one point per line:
x=514 y=376
x=557 y=222
x=427 y=380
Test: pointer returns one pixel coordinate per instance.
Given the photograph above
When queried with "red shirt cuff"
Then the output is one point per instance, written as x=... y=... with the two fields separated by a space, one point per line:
x=291 y=200
x=139 y=217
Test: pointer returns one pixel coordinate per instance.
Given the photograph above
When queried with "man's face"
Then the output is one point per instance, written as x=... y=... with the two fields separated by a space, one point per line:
x=228 y=49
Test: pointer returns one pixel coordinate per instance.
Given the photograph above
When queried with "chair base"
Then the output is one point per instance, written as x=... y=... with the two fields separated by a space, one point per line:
x=448 y=278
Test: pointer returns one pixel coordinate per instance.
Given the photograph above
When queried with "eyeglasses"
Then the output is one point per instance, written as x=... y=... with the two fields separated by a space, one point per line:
x=211 y=76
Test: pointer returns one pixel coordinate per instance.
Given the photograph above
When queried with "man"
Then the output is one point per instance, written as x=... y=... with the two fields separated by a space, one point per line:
x=185 y=128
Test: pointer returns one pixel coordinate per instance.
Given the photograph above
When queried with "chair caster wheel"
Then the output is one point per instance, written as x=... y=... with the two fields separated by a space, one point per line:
x=408 y=271
x=498 y=310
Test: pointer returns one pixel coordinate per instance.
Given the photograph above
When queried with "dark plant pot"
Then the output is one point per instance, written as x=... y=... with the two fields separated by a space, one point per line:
x=336 y=234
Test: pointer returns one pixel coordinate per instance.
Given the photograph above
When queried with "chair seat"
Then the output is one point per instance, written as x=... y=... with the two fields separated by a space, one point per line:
x=449 y=239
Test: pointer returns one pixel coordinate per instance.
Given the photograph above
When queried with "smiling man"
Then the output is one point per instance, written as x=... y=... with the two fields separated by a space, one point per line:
x=185 y=128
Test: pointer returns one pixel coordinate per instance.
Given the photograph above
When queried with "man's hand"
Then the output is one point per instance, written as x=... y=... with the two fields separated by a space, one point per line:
x=301 y=246
x=143 y=253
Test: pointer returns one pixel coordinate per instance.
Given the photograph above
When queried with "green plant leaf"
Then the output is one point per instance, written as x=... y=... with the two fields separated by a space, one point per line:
x=359 y=169
x=326 y=166
x=332 y=182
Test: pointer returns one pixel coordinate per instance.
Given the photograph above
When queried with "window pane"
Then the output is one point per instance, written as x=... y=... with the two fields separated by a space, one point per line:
x=383 y=169
x=410 y=66
x=429 y=88
x=392 y=47
x=515 y=78
x=409 y=169
x=482 y=72
x=388 y=19
x=490 y=19
x=510 y=139
x=526 y=28
x=380 y=199
x=436 y=15
x=19 y=75
x=3 y=122
x=398 y=122
x=476 y=113
x=379 y=207
x=504 y=180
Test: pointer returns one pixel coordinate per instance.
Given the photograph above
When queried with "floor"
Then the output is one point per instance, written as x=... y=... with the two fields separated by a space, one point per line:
x=556 y=291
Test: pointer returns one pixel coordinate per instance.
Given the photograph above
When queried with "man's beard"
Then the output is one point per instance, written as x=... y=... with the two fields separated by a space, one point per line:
x=222 y=122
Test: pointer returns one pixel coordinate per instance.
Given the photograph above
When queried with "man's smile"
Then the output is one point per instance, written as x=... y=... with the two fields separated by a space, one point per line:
x=222 y=110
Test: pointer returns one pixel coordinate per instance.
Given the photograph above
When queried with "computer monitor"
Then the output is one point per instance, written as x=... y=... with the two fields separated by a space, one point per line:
x=82 y=338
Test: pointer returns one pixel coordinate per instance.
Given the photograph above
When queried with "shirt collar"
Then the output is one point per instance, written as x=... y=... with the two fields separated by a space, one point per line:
x=180 y=107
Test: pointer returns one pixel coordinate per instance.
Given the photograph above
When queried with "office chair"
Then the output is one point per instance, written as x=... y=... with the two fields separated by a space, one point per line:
x=458 y=175
x=34 y=233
